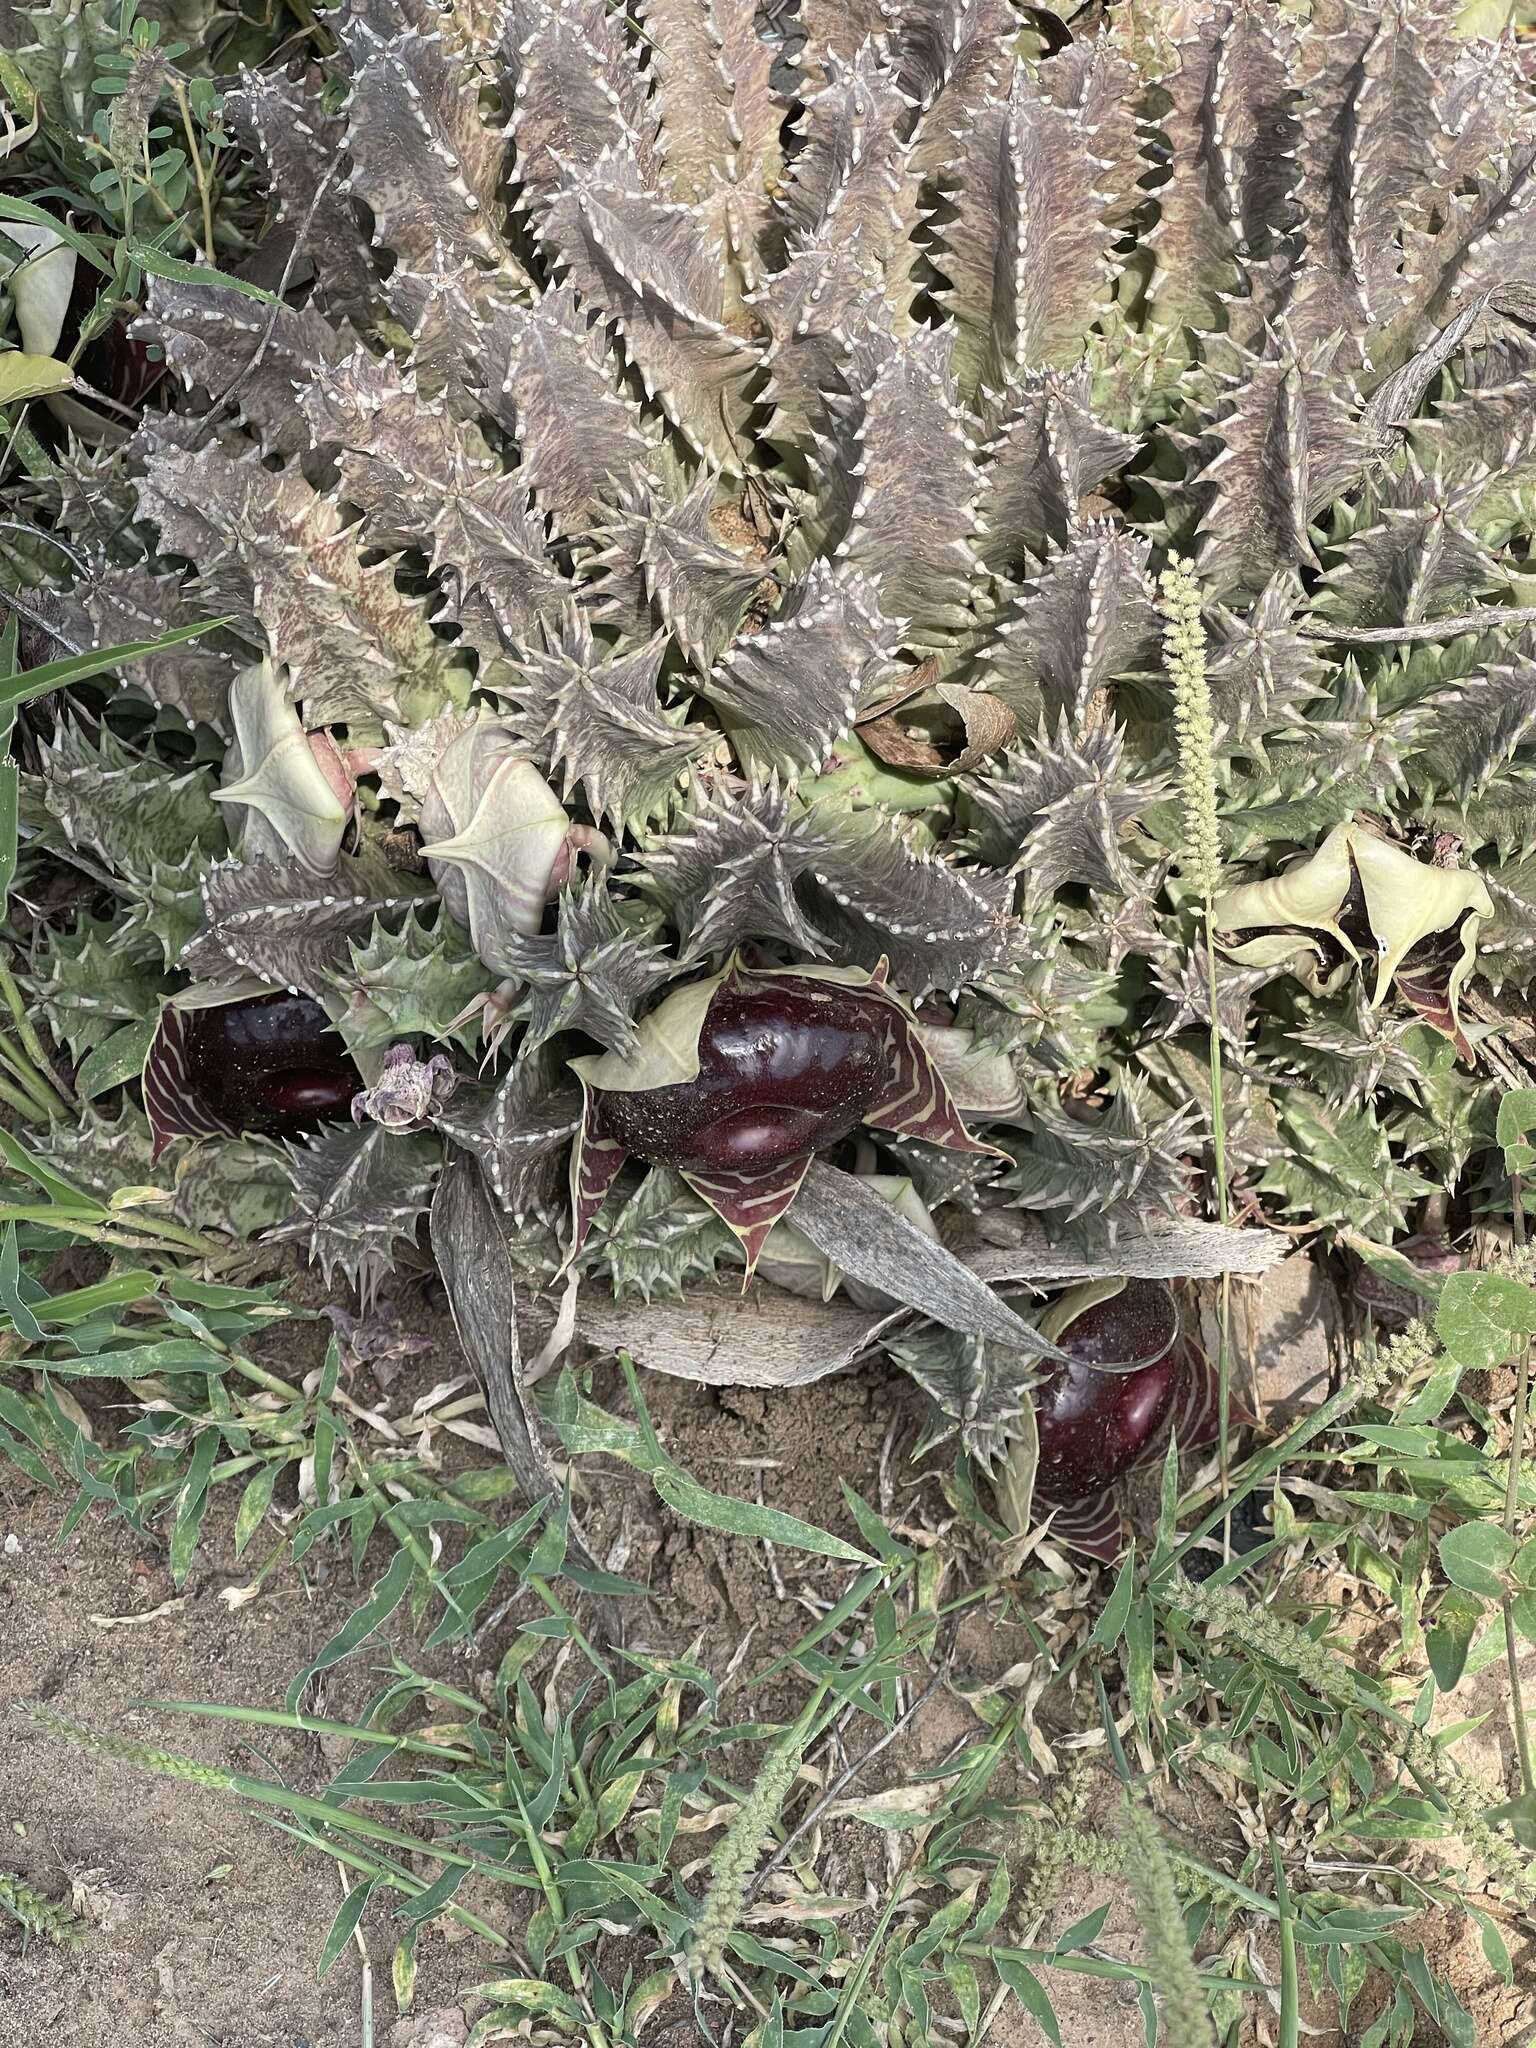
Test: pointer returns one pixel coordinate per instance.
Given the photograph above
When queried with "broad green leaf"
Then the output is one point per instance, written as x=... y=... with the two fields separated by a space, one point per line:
x=82 y=1302
x=1110 y=1625
x=1168 y=1500
x=1523 y=1609
x=1140 y=1655
x=14 y=208
x=347 y=1916
x=1517 y=1120
x=769 y=2032
x=1456 y=1622
x=27 y=1460
x=159 y=264
x=484 y=1559
x=1350 y=1924
x=1483 y=1317
x=59 y=1191
x=10 y=798
x=361 y=1623
x=79 y=668
x=531 y=1995
x=1494 y=1947
x=192 y=1505
x=23 y=376
x=402 y=1970
x=1030 y=1992
x=1082 y=1933
x=138 y=1361
x=873 y=1529
x=1390 y=1265
x=428 y=1904
x=254 y=1502
x=1445 y=2009
x=1521 y=1816
x=120 y=1058
x=696 y=1503
x=1476 y=1556
x=23 y=1321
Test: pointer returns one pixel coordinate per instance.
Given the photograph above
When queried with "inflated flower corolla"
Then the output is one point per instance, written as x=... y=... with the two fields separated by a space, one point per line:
x=292 y=785
x=497 y=838
x=1138 y=1371
x=1360 y=901
x=739 y=1080
x=227 y=1060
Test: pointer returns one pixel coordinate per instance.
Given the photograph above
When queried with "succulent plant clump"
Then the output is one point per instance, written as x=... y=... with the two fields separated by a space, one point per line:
x=687 y=695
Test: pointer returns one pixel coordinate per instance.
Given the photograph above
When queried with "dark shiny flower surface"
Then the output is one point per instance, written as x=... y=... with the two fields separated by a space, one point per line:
x=1095 y=1424
x=782 y=1072
x=269 y=1064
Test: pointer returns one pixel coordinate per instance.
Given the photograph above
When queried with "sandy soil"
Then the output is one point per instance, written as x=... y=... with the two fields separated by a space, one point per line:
x=207 y=1924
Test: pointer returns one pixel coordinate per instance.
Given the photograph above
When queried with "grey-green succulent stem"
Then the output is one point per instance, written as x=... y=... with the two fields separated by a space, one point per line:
x=1512 y=1511
x=1491 y=619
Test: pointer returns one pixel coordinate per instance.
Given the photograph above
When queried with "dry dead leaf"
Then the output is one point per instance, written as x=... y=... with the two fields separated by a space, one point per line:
x=109 y=1621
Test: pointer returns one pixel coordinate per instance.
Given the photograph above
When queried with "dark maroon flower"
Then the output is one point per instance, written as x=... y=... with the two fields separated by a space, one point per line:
x=738 y=1081
x=1139 y=1372
x=268 y=1063
x=782 y=1072
x=1095 y=1425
